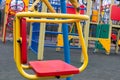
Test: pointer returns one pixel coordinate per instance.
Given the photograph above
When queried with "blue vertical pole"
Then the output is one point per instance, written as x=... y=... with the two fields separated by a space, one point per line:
x=65 y=36
x=0 y=1
x=16 y=3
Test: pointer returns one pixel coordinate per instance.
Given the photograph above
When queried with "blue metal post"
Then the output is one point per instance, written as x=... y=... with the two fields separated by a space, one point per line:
x=65 y=36
x=16 y=3
x=0 y=1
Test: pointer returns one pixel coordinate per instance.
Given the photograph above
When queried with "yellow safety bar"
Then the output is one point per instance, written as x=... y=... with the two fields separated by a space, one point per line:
x=52 y=15
x=52 y=21
x=67 y=18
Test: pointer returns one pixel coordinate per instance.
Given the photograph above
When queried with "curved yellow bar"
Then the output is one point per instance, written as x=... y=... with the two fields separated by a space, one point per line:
x=82 y=42
x=26 y=67
x=84 y=50
x=18 y=52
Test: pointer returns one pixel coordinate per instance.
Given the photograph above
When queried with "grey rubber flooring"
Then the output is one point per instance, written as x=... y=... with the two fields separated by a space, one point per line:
x=100 y=67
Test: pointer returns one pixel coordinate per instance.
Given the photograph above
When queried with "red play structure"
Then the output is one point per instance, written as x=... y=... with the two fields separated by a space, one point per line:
x=71 y=10
x=115 y=15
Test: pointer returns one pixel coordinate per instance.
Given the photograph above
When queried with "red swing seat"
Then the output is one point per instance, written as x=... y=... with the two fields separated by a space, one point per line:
x=48 y=67
x=52 y=68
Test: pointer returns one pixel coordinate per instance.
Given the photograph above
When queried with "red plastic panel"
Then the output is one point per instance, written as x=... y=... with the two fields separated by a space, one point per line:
x=71 y=10
x=53 y=68
x=82 y=11
x=24 y=41
x=115 y=15
x=113 y=36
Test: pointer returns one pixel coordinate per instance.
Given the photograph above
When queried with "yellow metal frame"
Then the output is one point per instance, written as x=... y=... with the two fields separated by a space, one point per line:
x=17 y=50
x=7 y=6
x=86 y=28
x=42 y=35
x=5 y=16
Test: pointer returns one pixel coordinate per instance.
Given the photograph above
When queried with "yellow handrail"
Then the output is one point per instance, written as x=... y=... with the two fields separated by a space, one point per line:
x=52 y=21
x=52 y=15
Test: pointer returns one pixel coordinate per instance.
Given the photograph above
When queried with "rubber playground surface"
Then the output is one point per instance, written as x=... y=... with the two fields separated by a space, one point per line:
x=100 y=67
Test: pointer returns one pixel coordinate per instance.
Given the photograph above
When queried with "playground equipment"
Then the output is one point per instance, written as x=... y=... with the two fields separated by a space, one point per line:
x=112 y=38
x=11 y=8
x=106 y=27
x=72 y=36
x=103 y=41
x=35 y=44
x=114 y=22
x=95 y=16
x=100 y=27
x=71 y=10
x=20 y=49
x=42 y=68
x=35 y=28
